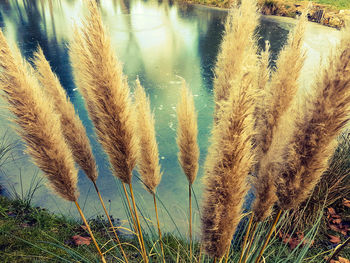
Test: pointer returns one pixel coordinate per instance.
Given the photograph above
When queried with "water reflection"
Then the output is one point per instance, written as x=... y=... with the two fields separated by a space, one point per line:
x=158 y=41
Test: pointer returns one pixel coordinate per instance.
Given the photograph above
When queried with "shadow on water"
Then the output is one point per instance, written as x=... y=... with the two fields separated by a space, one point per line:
x=157 y=41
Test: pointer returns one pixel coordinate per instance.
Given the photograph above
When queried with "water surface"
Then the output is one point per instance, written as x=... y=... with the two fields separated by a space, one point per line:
x=157 y=41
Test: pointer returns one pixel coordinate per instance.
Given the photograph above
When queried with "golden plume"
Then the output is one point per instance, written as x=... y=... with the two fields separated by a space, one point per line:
x=227 y=166
x=187 y=134
x=281 y=92
x=148 y=163
x=72 y=126
x=284 y=84
x=313 y=139
x=39 y=125
x=100 y=78
x=238 y=48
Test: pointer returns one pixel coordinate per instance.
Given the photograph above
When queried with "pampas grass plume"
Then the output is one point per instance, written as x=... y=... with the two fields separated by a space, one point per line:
x=227 y=166
x=39 y=125
x=72 y=126
x=148 y=163
x=313 y=140
x=100 y=78
x=284 y=84
x=187 y=134
x=281 y=92
x=238 y=48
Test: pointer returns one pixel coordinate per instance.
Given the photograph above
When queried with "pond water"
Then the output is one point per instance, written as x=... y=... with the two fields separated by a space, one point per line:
x=157 y=41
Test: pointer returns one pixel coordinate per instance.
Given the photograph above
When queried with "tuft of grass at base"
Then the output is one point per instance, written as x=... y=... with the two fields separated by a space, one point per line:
x=32 y=234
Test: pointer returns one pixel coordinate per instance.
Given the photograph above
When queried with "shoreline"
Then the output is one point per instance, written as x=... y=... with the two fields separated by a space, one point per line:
x=319 y=14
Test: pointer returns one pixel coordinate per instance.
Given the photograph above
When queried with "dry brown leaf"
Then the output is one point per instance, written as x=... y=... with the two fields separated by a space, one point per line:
x=79 y=240
x=346 y=202
x=331 y=211
x=334 y=239
x=343 y=260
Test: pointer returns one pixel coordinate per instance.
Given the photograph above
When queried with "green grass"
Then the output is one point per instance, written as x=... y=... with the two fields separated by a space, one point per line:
x=29 y=234
x=337 y=4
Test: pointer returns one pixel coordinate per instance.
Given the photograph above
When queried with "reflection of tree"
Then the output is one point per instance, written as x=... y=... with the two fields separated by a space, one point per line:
x=133 y=53
x=31 y=31
x=208 y=46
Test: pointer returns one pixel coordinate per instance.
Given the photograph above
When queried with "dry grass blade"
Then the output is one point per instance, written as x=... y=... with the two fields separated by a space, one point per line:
x=100 y=78
x=187 y=134
x=313 y=139
x=148 y=160
x=227 y=166
x=282 y=90
x=38 y=125
x=72 y=126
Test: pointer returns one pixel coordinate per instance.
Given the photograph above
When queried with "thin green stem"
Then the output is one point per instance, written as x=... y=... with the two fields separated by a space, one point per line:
x=138 y=223
x=246 y=238
x=110 y=222
x=278 y=215
x=90 y=232
x=158 y=225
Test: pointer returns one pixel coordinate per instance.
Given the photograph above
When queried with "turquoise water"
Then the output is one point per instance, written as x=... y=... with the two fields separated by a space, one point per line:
x=158 y=41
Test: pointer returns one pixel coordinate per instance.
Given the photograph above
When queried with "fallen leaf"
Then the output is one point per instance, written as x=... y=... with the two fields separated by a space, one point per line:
x=343 y=260
x=331 y=211
x=336 y=221
x=346 y=202
x=79 y=240
x=308 y=241
x=334 y=239
x=293 y=242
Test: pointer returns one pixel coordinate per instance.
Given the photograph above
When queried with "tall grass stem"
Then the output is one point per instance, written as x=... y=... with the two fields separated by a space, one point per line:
x=246 y=237
x=132 y=214
x=158 y=225
x=190 y=218
x=90 y=232
x=278 y=215
x=138 y=224
x=227 y=254
x=255 y=226
x=110 y=222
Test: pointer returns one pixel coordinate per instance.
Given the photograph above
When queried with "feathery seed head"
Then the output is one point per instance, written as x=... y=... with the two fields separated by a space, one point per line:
x=280 y=94
x=312 y=142
x=227 y=166
x=238 y=48
x=147 y=160
x=39 y=125
x=100 y=78
x=72 y=126
x=187 y=134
